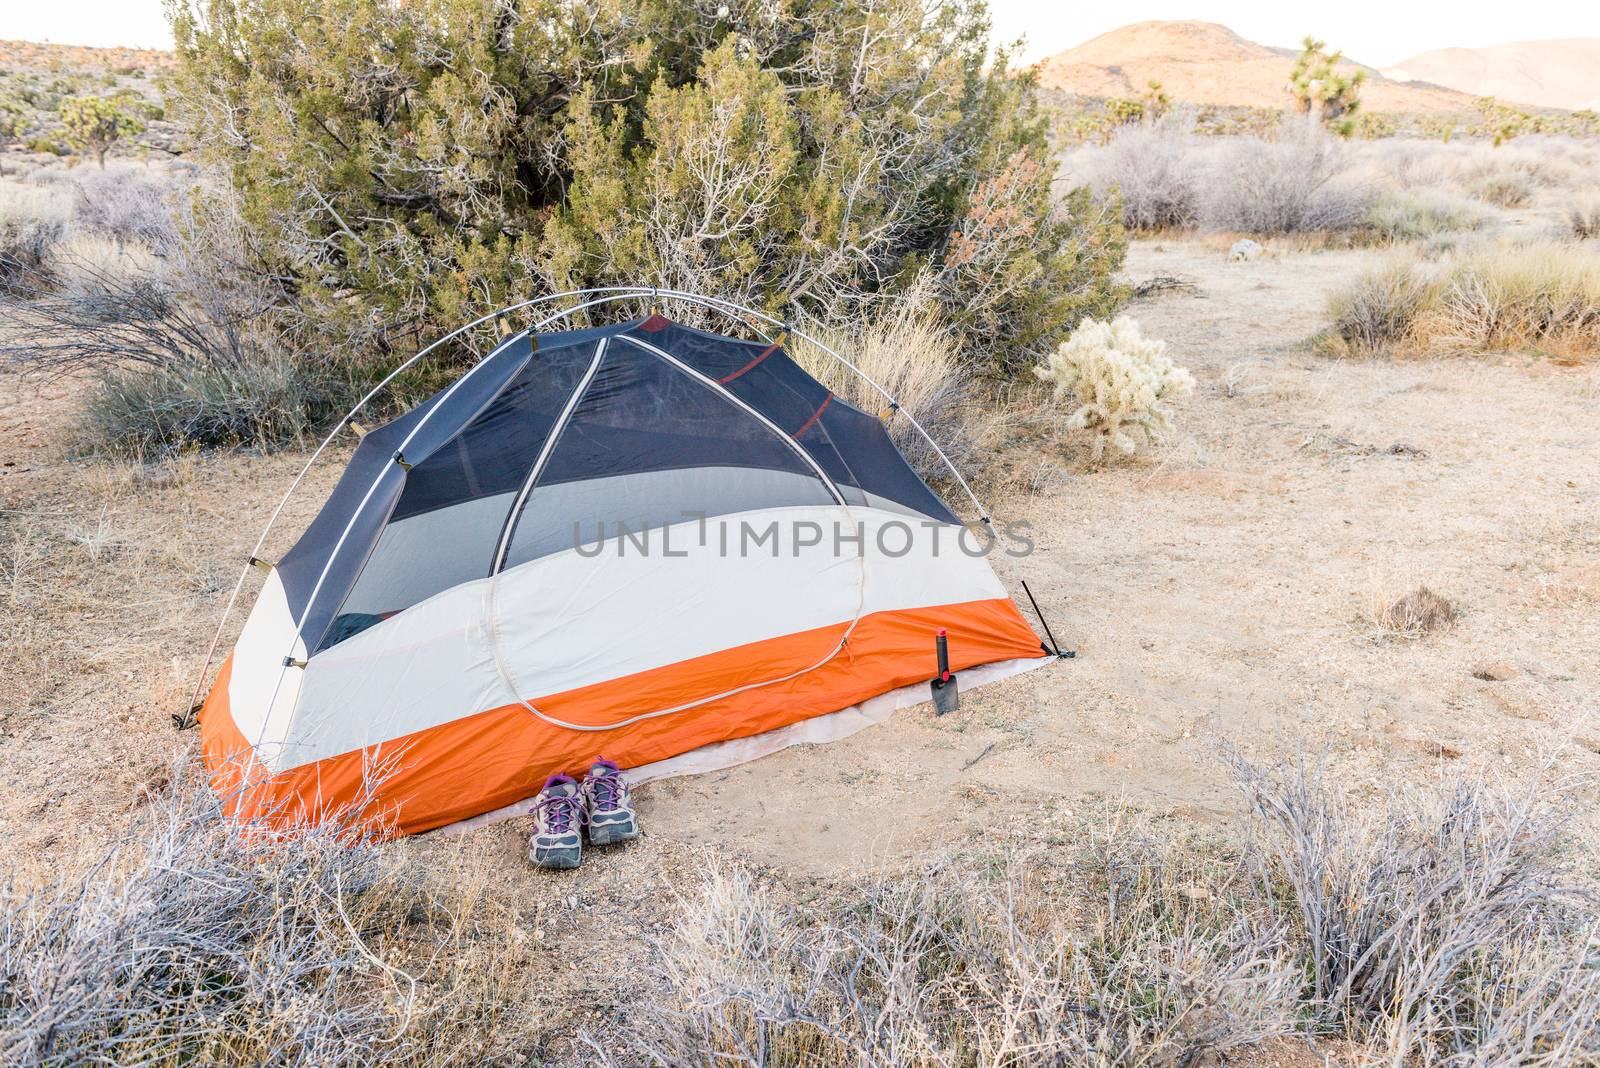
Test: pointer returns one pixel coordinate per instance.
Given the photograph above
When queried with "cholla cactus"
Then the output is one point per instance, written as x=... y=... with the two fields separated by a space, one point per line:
x=1120 y=379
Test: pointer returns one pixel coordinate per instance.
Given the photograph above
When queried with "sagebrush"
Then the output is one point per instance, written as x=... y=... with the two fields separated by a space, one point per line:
x=1439 y=927
x=193 y=939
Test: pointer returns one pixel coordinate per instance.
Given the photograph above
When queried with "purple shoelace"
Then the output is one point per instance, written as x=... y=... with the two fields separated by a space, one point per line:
x=559 y=813
x=607 y=790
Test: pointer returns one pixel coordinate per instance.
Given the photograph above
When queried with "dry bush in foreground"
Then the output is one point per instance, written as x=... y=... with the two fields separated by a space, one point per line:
x=1543 y=295
x=193 y=940
x=1443 y=926
x=1438 y=929
x=944 y=967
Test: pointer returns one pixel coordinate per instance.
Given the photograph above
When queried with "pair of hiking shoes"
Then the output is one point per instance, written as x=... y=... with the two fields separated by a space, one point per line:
x=566 y=808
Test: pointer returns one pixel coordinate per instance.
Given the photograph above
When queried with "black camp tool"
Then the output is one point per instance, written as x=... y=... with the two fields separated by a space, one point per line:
x=946 y=697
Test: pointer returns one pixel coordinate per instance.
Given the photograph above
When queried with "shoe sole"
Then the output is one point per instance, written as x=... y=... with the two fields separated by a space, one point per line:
x=559 y=859
x=612 y=833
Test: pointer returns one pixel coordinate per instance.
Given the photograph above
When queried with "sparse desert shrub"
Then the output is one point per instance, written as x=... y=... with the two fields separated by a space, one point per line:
x=1120 y=381
x=1415 y=216
x=1508 y=189
x=193 y=939
x=1290 y=185
x=32 y=223
x=1422 y=611
x=1583 y=217
x=1543 y=295
x=109 y=281
x=1380 y=307
x=128 y=205
x=185 y=349
x=1442 y=924
x=943 y=967
x=266 y=399
x=1155 y=170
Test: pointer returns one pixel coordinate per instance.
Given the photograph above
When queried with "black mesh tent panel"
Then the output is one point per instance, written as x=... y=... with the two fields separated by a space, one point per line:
x=335 y=547
x=318 y=571
x=447 y=522
x=851 y=446
x=649 y=445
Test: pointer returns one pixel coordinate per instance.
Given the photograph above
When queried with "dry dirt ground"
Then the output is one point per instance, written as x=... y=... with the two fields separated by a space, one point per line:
x=1219 y=589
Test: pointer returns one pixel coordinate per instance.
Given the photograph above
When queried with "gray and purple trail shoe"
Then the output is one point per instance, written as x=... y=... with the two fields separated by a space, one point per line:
x=558 y=814
x=611 y=817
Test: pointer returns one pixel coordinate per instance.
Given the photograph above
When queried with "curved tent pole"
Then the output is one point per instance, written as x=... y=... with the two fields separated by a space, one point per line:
x=729 y=308
x=733 y=309
x=288 y=655
x=238 y=586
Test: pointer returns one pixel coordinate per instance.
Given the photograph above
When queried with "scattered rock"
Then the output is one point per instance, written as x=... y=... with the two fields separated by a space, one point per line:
x=1244 y=249
x=1161 y=283
x=1494 y=671
x=1438 y=750
x=1400 y=448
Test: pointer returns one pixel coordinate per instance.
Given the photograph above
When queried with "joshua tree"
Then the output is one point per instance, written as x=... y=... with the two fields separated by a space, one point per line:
x=1155 y=100
x=95 y=123
x=1320 y=88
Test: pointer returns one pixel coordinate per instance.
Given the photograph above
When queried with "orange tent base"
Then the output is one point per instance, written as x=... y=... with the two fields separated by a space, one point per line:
x=490 y=759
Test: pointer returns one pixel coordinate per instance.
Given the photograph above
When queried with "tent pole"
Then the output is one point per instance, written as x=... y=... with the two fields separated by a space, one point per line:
x=187 y=718
x=730 y=308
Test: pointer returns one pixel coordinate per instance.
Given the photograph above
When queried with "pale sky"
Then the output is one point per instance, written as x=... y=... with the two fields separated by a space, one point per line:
x=1379 y=32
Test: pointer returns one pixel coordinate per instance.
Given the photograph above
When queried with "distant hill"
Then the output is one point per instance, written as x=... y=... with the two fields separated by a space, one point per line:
x=1205 y=63
x=1554 y=74
x=41 y=56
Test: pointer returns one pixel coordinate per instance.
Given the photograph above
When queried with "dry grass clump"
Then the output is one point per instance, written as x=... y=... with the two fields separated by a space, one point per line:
x=195 y=940
x=1422 y=611
x=944 y=966
x=1542 y=296
x=33 y=220
x=1508 y=189
x=1438 y=927
x=1442 y=926
x=1396 y=216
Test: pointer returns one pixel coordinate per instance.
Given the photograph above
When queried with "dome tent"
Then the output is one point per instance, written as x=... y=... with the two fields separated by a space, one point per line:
x=640 y=539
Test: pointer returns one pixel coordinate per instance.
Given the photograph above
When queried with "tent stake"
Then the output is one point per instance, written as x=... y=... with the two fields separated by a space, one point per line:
x=1053 y=647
